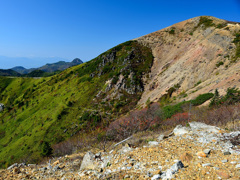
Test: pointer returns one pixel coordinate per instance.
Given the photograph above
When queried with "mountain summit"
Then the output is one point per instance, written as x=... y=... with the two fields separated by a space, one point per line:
x=197 y=56
x=76 y=61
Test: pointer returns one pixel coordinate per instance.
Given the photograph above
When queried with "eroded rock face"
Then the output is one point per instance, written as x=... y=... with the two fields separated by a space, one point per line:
x=190 y=55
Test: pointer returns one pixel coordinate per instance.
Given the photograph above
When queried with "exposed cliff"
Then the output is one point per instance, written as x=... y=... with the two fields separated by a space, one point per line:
x=197 y=55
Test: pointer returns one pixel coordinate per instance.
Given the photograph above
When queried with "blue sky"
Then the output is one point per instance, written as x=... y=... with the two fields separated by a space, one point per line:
x=85 y=28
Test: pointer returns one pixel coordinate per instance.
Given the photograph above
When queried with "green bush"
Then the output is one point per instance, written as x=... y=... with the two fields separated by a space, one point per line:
x=222 y=25
x=199 y=82
x=219 y=63
x=119 y=104
x=206 y=22
x=237 y=38
x=236 y=41
x=46 y=149
x=172 y=31
x=201 y=99
x=169 y=111
x=115 y=79
x=232 y=96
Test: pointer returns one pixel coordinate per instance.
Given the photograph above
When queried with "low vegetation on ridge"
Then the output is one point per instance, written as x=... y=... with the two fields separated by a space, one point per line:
x=41 y=112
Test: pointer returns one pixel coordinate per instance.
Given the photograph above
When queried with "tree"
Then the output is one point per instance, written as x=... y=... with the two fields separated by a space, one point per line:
x=46 y=149
x=215 y=99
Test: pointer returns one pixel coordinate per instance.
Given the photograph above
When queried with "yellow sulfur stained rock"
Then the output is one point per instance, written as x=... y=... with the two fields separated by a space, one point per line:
x=201 y=154
x=56 y=162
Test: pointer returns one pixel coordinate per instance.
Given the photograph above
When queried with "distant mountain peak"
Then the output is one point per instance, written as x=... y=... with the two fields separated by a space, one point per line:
x=18 y=67
x=77 y=60
x=49 y=67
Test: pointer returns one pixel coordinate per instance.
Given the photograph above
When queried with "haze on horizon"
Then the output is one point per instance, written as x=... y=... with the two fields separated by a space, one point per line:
x=84 y=29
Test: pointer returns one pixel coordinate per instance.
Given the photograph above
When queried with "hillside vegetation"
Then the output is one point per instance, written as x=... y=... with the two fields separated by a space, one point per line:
x=43 y=111
x=9 y=72
x=152 y=83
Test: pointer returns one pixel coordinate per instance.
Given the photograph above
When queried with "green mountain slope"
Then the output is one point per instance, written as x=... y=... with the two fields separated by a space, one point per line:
x=52 y=109
x=40 y=73
x=9 y=72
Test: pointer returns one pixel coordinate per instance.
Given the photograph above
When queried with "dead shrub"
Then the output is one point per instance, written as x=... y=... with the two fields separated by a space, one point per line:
x=224 y=115
x=139 y=120
x=179 y=118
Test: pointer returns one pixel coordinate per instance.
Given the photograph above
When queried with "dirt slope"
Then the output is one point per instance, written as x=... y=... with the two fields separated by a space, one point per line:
x=197 y=54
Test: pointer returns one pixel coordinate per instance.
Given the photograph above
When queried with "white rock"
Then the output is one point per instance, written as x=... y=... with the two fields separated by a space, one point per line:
x=13 y=166
x=180 y=130
x=207 y=164
x=178 y=165
x=157 y=176
x=224 y=161
x=106 y=161
x=172 y=170
x=207 y=151
x=204 y=127
x=88 y=161
x=237 y=166
x=108 y=171
x=160 y=137
x=153 y=143
x=125 y=149
x=123 y=168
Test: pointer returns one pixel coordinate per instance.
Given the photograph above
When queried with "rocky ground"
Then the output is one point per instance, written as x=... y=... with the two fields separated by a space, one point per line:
x=198 y=151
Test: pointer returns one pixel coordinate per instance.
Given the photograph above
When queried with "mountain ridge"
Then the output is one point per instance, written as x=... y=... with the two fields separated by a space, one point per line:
x=176 y=64
x=49 y=67
x=191 y=51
